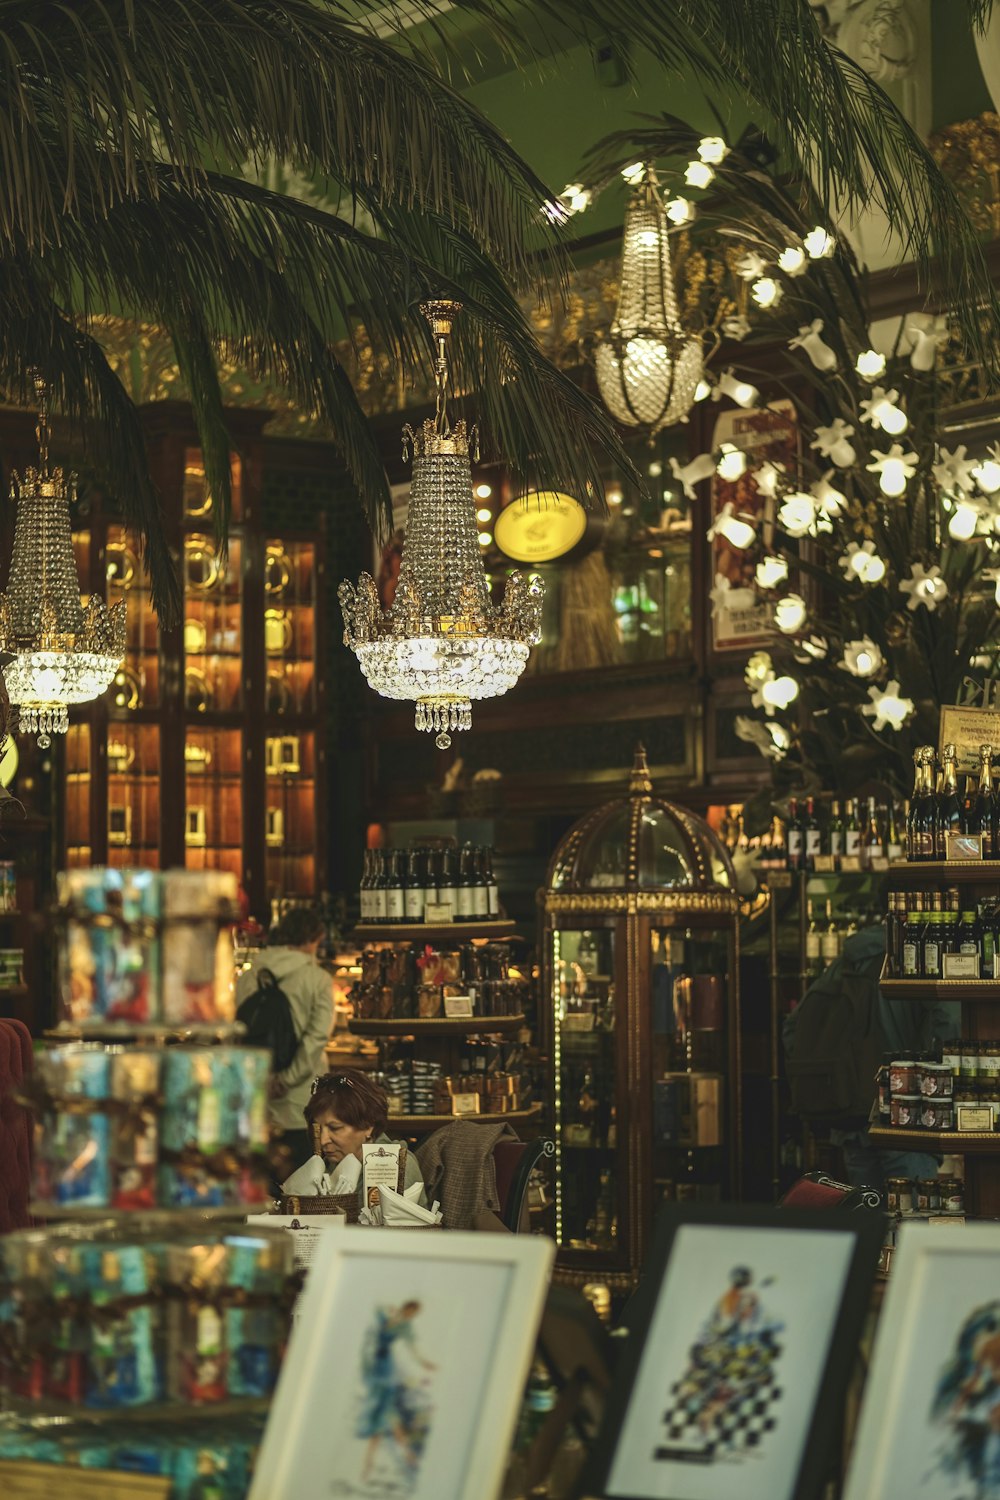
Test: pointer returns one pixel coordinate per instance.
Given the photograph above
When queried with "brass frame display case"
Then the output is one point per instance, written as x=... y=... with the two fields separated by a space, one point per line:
x=640 y=1018
x=177 y=764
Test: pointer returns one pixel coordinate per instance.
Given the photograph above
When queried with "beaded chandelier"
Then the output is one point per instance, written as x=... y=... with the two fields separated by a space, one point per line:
x=442 y=642
x=57 y=651
x=648 y=365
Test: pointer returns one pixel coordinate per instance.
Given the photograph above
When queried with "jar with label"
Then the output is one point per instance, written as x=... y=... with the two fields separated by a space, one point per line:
x=903 y=1076
x=989 y=1095
x=899 y=1195
x=970 y=1060
x=936 y=1114
x=989 y=1062
x=936 y=1080
x=905 y=1111
x=952 y=1190
x=928 y=1195
x=951 y=1057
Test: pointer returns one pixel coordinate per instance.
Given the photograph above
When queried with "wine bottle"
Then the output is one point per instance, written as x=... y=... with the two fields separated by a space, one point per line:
x=852 y=831
x=463 y=886
x=795 y=836
x=835 y=833
x=492 y=894
x=446 y=893
x=830 y=939
x=813 y=944
x=872 y=848
x=893 y=834
x=414 y=884
x=950 y=815
x=395 y=901
x=912 y=834
x=480 y=889
x=931 y=946
x=364 y=889
x=810 y=835
x=377 y=893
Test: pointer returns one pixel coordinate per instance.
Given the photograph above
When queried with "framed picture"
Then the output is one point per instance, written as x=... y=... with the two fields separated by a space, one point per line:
x=742 y=1340
x=426 y=1341
x=931 y=1414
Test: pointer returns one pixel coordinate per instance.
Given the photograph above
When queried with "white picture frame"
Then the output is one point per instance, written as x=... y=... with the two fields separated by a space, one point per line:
x=940 y=1285
x=463 y=1361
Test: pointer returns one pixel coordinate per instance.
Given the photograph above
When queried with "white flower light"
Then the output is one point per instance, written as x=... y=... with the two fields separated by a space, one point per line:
x=955 y=472
x=766 y=478
x=830 y=500
x=575 y=197
x=887 y=708
x=740 y=391
x=813 y=647
x=808 y=339
x=777 y=693
x=713 y=149
x=766 y=292
x=633 y=173
x=926 y=342
x=771 y=571
x=702 y=390
x=750 y=266
x=862 y=658
x=924 y=586
x=732 y=462
x=738 y=533
x=680 y=210
x=691 y=474
x=819 y=243
x=772 y=740
x=792 y=260
x=963 y=522
x=833 y=443
x=758 y=668
x=699 y=174
x=862 y=563
x=797 y=515
x=893 y=469
x=987 y=473
x=883 y=413
x=790 y=614
x=736 y=327
x=870 y=364
x=726 y=599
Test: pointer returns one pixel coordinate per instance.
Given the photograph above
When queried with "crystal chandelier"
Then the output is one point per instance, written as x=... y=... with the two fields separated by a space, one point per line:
x=648 y=365
x=442 y=642
x=56 y=651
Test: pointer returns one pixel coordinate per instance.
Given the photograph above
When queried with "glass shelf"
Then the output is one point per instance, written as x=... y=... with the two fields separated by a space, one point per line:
x=134 y=758
x=290 y=626
x=213 y=807
x=290 y=815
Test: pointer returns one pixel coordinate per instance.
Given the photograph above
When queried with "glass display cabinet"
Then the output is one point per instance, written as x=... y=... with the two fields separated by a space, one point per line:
x=639 y=969
x=208 y=749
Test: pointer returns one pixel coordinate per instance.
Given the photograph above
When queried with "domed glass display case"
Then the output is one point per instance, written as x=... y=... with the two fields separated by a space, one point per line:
x=639 y=966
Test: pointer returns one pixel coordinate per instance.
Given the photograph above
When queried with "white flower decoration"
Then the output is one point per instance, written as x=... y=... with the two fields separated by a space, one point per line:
x=862 y=658
x=893 y=468
x=926 y=343
x=767 y=292
x=767 y=476
x=772 y=740
x=812 y=648
x=792 y=260
x=737 y=532
x=737 y=327
x=833 y=442
x=750 y=266
x=883 y=412
x=775 y=693
x=988 y=471
x=758 y=668
x=691 y=474
x=861 y=562
x=887 y=708
x=726 y=599
x=830 y=500
x=819 y=242
x=798 y=514
x=770 y=572
x=809 y=341
x=925 y=587
x=955 y=472
x=790 y=614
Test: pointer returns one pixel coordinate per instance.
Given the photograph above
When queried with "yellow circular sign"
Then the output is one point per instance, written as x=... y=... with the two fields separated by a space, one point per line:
x=540 y=526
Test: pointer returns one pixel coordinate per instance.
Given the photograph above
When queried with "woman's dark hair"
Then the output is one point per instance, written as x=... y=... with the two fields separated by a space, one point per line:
x=299 y=925
x=352 y=1097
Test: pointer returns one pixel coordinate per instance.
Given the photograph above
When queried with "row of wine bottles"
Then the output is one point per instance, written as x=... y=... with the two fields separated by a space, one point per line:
x=940 y=805
x=855 y=830
x=399 y=885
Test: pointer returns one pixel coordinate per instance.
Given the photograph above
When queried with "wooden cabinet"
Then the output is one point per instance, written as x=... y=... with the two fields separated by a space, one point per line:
x=208 y=751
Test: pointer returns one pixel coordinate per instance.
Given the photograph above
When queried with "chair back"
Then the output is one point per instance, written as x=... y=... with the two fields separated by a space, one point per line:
x=15 y=1127
x=815 y=1190
x=514 y=1162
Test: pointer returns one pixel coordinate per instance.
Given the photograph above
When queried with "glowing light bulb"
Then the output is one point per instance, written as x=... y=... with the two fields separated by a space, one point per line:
x=713 y=149
x=649 y=239
x=987 y=476
x=485 y=537
x=766 y=292
x=963 y=522
x=699 y=174
x=819 y=243
x=790 y=614
x=483 y=491
x=738 y=533
x=732 y=463
x=702 y=390
x=780 y=692
x=893 y=469
x=484 y=514
x=680 y=210
x=792 y=260
x=633 y=172
x=771 y=571
x=870 y=364
x=893 y=420
x=740 y=391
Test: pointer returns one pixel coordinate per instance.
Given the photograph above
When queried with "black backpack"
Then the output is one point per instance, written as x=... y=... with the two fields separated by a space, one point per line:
x=835 y=1046
x=267 y=1016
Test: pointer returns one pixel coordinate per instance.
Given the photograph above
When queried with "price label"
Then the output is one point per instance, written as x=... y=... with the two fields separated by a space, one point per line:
x=825 y=864
x=850 y=864
x=438 y=913
x=978 y=1117
x=458 y=1007
x=963 y=846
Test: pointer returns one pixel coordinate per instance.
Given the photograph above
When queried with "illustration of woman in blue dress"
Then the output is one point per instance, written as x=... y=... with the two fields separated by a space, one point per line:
x=967 y=1399
x=394 y=1406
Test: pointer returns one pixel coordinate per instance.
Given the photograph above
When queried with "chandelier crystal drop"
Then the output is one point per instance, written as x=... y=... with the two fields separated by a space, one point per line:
x=648 y=366
x=57 y=651
x=442 y=643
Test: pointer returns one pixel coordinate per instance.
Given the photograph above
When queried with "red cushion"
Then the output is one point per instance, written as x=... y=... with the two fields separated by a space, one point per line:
x=806 y=1194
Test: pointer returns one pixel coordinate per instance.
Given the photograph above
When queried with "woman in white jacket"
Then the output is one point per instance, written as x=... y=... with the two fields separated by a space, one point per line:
x=290 y=956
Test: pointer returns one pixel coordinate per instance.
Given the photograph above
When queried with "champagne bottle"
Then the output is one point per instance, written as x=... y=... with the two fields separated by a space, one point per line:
x=983 y=817
x=830 y=940
x=872 y=848
x=950 y=815
x=893 y=835
x=912 y=833
x=925 y=809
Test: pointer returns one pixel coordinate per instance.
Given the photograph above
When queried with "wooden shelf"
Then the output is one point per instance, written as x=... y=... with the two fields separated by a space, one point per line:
x=386 y=932
x=953 y=871
x=421 y=1124
x=963 y=1143
x=969 y=990
x=437 y=1026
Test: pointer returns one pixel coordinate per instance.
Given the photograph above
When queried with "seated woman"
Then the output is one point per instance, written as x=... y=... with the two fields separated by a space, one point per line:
x=345 y=1110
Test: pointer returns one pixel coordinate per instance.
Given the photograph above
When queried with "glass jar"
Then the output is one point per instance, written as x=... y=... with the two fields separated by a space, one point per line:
x=905 y=1111
x=970 y=1059
x=928 y=1195
x=936 y=1080
x=899 y=1195
x=903 y=1076
x=952 y=1191
x=951 y=1057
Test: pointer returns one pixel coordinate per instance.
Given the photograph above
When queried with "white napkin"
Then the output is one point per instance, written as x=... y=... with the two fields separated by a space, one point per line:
x=313 y=1181
x=401 y=1210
